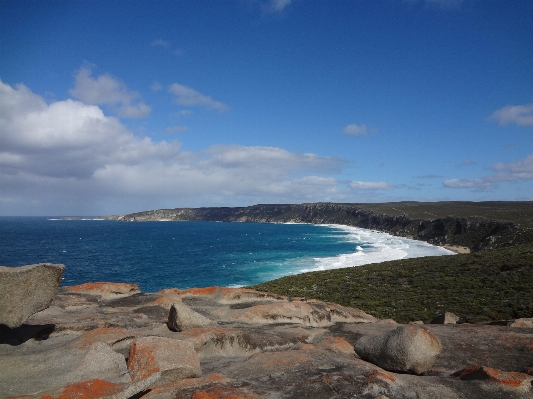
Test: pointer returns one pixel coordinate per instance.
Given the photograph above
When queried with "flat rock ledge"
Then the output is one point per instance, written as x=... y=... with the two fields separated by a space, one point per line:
x=109 y=340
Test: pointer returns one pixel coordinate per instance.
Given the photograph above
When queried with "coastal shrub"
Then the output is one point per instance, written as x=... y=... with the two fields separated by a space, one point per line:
x=483 y=286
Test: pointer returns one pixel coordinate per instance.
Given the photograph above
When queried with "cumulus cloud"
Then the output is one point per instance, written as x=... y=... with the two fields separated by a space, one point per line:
x=355 y=130
x=521 y=115
x=69 y=157
x=191 y=98
x=107 y=90
x=368 y=185
x=66 y=138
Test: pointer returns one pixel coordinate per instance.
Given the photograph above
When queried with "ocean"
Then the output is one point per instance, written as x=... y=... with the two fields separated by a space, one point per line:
x=157 y=255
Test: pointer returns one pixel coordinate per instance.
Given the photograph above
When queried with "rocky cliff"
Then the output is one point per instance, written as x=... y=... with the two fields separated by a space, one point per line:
x=475 y=232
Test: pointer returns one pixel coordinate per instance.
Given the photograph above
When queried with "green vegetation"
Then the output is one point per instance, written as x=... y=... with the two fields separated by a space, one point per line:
x=483 y=286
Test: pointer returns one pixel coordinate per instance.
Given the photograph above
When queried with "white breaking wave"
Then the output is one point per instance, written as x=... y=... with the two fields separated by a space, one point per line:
x=372 y=247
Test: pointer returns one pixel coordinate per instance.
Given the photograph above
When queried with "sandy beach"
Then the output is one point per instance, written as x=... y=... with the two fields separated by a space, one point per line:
x=457 y=249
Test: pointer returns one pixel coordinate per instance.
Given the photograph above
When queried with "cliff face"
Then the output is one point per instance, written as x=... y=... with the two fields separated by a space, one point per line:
x=474 y=233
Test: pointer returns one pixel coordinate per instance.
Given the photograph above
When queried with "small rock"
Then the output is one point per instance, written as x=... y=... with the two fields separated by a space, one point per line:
x=181 y=318
x=416 y=322
x=522 y=323
x=515 y=380
x=27 y=290
x=406 y=348
x=175 y=359
x=445 y=318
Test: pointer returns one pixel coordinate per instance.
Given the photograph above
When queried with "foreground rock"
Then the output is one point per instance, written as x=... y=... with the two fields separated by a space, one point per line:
x=27 y=290
x=109 y=340
x=406 y=348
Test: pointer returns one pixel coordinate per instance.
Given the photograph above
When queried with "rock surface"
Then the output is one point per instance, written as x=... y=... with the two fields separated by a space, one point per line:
x=406 y=348
x=97 y=343
x=27 y=290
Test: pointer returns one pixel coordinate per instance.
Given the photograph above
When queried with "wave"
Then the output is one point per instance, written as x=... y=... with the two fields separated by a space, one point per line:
x=370 y=247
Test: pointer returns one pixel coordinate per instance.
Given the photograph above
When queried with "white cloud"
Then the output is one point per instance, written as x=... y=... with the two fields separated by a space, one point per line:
x=355 y=130
x=430 y=176
x=156 y=86
x=478 y=184
x=66 y=138
x=69 y=157
x=107 y=90
x=160 y=43
x=369 y=185
x=521 y=115
x=520 y=170
x=279 y=5
x=191 y=98
x=505 y=172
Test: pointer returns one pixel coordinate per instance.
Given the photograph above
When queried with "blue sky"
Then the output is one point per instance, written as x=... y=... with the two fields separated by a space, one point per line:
x=120 y=106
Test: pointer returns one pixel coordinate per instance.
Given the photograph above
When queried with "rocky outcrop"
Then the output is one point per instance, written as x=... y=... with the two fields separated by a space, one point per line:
x=257 y=345
x=407 y=348
x=27 y=290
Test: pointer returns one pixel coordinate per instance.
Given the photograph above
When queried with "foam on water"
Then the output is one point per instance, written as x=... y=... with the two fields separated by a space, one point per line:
x=370 y=247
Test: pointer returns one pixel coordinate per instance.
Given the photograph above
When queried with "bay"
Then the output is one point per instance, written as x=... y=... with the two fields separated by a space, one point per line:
x=159 y=255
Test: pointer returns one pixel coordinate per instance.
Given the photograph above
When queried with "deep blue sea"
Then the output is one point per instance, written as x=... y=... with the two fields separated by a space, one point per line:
x=159 y=255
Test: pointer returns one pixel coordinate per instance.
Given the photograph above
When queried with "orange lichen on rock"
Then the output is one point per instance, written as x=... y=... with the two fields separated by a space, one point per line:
x=91 y=389
x=337 y=344
x=141 y=361
x=105 y=288
x=199 y=291
x=225 y=393
x=509 y=379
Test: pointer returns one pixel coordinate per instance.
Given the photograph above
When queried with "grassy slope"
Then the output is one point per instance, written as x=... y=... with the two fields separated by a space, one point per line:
x=488 y=285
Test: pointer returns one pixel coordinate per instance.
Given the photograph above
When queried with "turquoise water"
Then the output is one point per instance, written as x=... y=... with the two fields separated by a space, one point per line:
x=159 y=255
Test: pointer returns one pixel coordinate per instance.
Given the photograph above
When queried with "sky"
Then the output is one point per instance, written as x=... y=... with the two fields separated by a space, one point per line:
x=111 y=107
